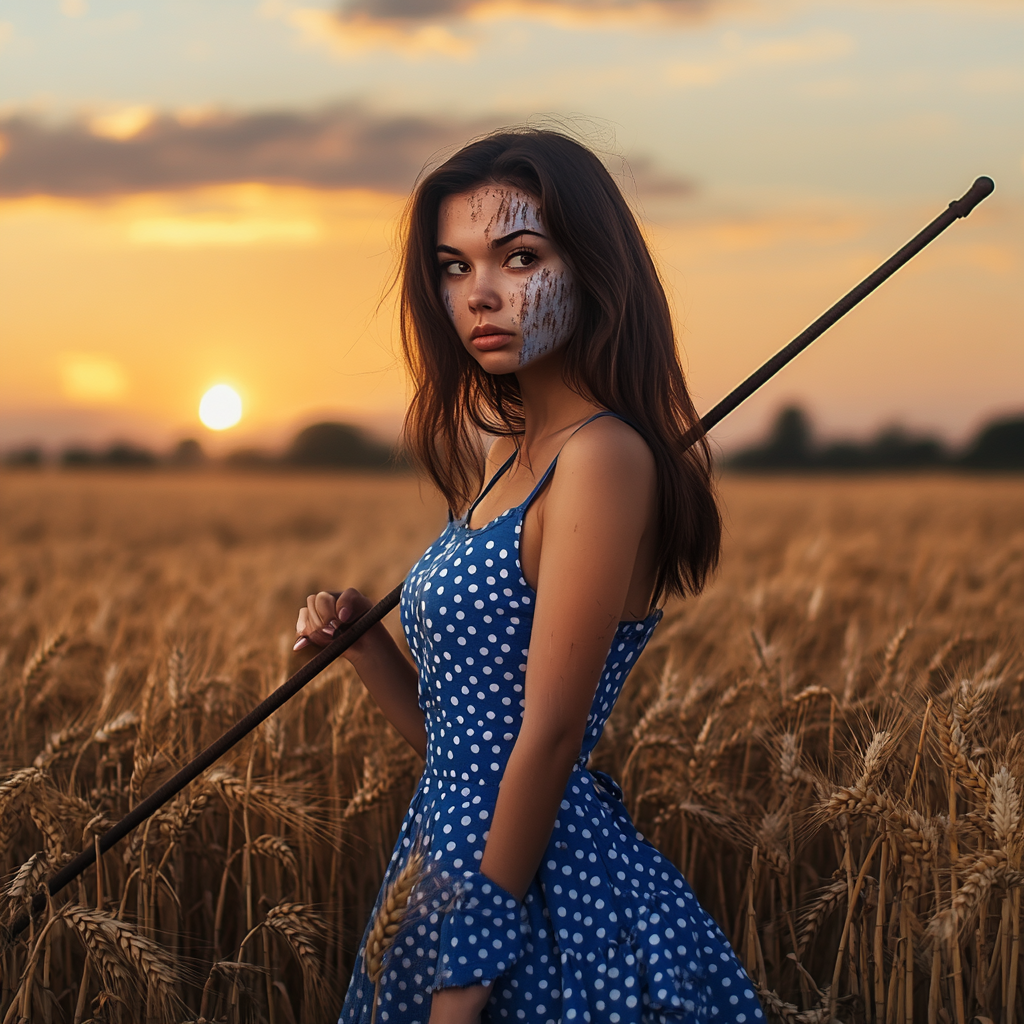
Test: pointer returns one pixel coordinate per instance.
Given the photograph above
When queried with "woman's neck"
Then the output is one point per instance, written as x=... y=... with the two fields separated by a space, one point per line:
x=550 y=406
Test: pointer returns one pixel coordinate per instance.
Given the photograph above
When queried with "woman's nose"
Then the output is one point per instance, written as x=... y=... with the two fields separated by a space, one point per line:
x=484 y=296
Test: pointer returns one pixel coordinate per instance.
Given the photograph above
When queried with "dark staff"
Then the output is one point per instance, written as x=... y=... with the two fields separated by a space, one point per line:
x=958 y=208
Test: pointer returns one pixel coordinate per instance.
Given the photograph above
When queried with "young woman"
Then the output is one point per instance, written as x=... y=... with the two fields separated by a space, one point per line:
x=532 y=312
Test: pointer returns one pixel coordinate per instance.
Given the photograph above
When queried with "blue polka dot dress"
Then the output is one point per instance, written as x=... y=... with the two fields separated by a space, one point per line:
x=609 y=931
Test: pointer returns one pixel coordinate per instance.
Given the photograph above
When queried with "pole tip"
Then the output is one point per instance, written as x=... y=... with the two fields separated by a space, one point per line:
x=982 y=188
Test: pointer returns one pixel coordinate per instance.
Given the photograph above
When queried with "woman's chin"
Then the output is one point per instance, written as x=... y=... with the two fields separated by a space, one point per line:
x=498 y=361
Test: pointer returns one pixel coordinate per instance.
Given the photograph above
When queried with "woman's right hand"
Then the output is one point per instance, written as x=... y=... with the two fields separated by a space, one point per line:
x=328 y=612
x=388 y=675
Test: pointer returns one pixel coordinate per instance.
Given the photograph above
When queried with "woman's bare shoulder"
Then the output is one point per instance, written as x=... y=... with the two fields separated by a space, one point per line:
x=604 y=469
x=609 y=441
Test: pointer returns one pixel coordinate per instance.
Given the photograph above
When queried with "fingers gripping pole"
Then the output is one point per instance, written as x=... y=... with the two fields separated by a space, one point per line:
x=958 y=208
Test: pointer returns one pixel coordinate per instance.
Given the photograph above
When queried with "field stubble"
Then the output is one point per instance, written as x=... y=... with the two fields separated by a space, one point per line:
x=829 y=743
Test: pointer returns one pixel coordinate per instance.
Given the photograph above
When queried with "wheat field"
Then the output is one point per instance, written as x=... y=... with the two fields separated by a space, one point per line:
x=829 y=743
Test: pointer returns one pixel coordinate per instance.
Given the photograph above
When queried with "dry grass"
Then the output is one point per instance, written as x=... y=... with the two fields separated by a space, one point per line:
x=829 y=743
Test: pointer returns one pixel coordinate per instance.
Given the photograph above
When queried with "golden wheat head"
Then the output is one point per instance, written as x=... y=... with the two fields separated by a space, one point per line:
x=391 y=915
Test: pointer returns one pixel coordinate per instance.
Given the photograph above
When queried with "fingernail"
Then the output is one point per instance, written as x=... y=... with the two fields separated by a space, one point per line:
x=303 y=641
x=345 y=614
x=334 y=624
x=328 y=629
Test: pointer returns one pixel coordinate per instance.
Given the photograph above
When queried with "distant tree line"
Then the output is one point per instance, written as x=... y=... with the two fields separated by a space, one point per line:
x=320 y=446
x=789 y=447
x=792 y=447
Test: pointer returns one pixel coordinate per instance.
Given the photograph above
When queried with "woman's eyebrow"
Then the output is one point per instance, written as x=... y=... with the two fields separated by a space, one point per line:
x=505 y=239
x=496 y=244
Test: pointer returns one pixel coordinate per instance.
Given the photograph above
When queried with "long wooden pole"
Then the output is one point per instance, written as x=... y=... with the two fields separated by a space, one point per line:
x=961 y=207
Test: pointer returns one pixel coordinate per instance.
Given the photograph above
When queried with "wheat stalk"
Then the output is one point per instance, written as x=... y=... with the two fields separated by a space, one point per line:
x=391 y=915
x=271 y=801
x=388 y=921
x=874 y=759
x=954 y=750
x=302 y=929
x=383 y=772
x=892 y=656
x=60 y=745
x=12 y=791
x=116 y=727
x=175 y=820
x=50 y=827
x=277 y=848
x=826 y=903
x=115 y=945
x=46 y=652
x=17 y=785
x=977 y=880
x=28 y=877
x=1005 y=811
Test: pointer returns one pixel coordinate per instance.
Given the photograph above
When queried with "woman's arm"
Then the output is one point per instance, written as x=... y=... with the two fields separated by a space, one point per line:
x=386 y=672
x=388 y=675
x=601 y=501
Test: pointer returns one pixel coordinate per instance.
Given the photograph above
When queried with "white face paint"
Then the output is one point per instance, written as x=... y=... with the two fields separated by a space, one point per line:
x=515 y=211
x=547 y=303
x=541 y=305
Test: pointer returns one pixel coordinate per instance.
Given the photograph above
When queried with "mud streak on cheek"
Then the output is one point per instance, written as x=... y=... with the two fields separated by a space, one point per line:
x=548 y=313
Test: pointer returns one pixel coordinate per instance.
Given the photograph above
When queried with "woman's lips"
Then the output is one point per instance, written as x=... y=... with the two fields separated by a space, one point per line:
x=487 y=342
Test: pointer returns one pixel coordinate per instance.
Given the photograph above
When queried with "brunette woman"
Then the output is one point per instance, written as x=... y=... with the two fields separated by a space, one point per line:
x=532 y=312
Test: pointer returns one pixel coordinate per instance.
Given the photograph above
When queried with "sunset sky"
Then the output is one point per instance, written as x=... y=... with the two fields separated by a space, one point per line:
x=195 y=193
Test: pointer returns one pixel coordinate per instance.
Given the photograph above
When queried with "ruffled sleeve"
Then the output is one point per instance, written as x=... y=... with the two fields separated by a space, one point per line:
x=481 y=934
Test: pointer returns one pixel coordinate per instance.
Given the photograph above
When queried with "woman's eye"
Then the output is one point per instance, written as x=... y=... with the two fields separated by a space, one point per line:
x=456 y=269
x=521 y=260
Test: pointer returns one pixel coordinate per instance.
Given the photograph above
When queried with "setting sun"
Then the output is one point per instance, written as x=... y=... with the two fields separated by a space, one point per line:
x=220 y=407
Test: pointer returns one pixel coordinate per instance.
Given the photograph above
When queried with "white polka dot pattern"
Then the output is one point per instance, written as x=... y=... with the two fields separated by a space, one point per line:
x=482 y=934
x=609 y=932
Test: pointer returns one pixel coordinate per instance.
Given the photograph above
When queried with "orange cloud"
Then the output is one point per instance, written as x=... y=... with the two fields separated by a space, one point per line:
x=611 y=14
x=419 y=27
x=360 y=33
x=581 y=11
x=121 y=125
x=137 y=150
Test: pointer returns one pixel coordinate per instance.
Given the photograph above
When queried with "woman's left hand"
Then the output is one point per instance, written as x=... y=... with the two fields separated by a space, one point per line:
x=459 y=1005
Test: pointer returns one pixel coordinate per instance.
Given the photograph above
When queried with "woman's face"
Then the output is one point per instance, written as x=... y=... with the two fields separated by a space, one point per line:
x=508 y=292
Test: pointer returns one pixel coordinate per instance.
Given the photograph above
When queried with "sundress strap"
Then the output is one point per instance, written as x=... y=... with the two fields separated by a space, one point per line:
x=547 y=473
x=494 y=479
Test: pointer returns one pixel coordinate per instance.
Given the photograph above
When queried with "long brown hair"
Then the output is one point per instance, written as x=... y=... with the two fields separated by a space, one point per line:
x=622 y=354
